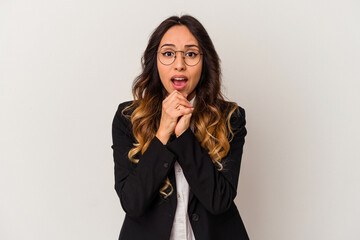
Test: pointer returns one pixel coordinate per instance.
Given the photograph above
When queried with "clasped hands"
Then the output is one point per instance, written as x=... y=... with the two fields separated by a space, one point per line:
x=175 y=116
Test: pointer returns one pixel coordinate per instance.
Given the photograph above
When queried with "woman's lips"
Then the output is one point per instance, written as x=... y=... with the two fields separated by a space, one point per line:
x=179 y=83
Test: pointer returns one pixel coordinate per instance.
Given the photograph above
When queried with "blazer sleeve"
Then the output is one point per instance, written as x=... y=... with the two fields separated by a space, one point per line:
x=137 y=184
x=215 y=189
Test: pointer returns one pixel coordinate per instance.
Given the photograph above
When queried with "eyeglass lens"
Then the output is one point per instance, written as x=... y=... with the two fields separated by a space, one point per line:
x=190 y=56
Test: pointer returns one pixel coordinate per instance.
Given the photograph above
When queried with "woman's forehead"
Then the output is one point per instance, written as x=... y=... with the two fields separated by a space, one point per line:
x=178 y=36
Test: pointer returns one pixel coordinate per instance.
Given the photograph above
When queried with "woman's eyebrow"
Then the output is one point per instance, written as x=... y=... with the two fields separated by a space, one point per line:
x=191 y=45
x=173 y=45
x=167 y=45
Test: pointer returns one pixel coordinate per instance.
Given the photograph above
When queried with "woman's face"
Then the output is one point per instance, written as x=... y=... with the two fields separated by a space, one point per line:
x=178 y=75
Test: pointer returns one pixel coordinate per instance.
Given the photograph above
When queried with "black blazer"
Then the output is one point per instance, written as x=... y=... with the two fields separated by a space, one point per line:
x=212 y=212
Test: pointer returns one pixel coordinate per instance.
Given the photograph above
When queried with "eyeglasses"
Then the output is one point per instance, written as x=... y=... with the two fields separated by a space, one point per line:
x=191 y=56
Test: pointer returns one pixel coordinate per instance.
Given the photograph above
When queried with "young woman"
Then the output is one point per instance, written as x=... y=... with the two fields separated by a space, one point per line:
x=178 y=145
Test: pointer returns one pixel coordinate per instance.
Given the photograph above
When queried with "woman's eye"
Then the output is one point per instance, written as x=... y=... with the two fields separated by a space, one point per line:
x=191 y=54
x=168 y=54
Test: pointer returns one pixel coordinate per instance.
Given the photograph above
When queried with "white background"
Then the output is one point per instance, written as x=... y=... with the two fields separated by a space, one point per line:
x=293 y=65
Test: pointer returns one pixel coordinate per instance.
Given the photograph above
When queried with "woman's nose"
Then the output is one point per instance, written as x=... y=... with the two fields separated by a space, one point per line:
x=179 y=61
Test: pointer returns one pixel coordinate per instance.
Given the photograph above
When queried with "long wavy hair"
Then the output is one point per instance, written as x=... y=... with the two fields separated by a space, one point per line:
x=211 y=116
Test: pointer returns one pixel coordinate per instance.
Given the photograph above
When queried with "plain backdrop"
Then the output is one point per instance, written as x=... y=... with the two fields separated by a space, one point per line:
x=293 y=65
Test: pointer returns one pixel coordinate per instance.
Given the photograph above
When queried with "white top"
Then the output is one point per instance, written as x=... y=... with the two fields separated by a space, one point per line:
x=181 y=229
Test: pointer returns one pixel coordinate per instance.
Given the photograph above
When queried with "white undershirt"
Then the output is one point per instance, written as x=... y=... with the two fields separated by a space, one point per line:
x=181 y=229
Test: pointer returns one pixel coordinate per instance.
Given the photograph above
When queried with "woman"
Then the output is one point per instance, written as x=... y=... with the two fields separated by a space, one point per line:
x=178 y=146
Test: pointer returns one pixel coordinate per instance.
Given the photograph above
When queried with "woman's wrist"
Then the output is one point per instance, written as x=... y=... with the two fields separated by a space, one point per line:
x=162 y=137
x=179 y=134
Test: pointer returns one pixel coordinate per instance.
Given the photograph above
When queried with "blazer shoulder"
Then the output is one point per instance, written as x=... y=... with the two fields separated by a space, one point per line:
x=227 y=106
x=239 y=112
x=238 y=119
x=124 y=105
x=122 y=118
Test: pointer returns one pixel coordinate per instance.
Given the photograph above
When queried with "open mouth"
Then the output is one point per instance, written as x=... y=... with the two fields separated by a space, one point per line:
x=179 y=82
